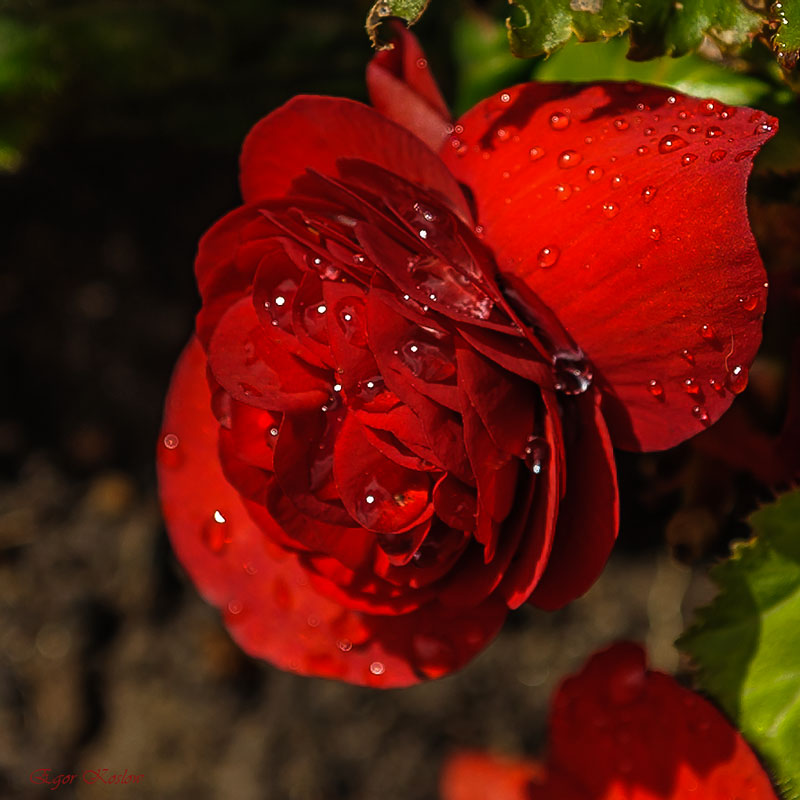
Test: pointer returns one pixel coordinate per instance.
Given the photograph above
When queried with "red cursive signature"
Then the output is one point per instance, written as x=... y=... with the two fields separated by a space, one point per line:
x=104 y=775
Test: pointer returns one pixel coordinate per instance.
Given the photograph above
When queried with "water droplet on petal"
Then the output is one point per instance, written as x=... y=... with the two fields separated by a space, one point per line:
x=563 y=191
x=171 y=441
x=655 y=233
x=642 y=150
x=670 y=143
x=573 y=373
x=713 y=131
x=717 y=155
x=743 y=155
x=700 y=413
x=548 y=256
x=594 y=173
x=535 y=153
x=234 y=607
x=749 y=302
x=569 y=159
x=648 y=193
x=716 y=385
x=345 y=645
x=737 y=379
x=687 y=159
x=535 y=453
x=692 y=387
x=655 y=388
x=610 y=210
x=707 y=332
x=216 y=533
x=377 y=668
x=621 y=124
x=687 y=356
x=559 y=120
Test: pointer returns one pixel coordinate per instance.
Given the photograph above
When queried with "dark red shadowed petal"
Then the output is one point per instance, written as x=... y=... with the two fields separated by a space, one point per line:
x=621 y=732
x=623 y=208
x=378 y=493
x=313 y=133
x=692 y=751
x=479 y=776
x=402 y=88
x=255 y=369
x=588 y=517
x=267 y=598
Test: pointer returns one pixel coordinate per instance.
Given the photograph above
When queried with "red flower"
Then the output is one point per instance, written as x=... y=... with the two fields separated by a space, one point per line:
x=619 y=731
x=395 y=421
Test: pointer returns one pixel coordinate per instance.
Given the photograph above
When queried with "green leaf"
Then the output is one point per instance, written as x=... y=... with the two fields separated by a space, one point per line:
x=786 y=41
x=746 y=644
x=691 y=74
x=656 y=27
x=408 y=10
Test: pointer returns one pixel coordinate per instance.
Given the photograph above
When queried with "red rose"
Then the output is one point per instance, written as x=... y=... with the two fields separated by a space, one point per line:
x=395 y=420
x=619 y=731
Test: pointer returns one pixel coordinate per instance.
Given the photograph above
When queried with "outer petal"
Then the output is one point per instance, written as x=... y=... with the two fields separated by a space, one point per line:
x=623 y=208
x=475 y=776
x=313 y=133
x=588 y=518
x=268 y=600
x=648 y=736
x=402 y=88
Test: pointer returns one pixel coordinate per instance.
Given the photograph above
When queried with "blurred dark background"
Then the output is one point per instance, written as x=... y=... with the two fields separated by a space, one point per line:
x=120 y=124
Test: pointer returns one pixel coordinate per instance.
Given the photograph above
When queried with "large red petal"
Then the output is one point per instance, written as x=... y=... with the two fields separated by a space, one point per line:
x=269 y=603
x=647 y=736
x=588 y=517
x=623 y=208
x=402 y=88
x=312 y=132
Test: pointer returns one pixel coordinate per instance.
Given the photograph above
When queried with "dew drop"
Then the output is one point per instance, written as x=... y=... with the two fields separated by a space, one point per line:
x=713 y=131
x=700 y=413
x=737 y=379
x=548 y=256
x=569 y=159
x=642 y=150
x=573 y=373
x=345 y=645
x=505 y=97
x=707 y=332
x=621 y=124
x=617 y=182
x=687 y=356
x=377 y=668
x=692 y=387
x=748 y=303
x=670 y=143
x=610 y=210
x=171 y=441
x=655 y=388
x=655 y=233
x=502 y=134
x=535 y=153
x=687 y=159
x=717 y=155
x=648 y=193
x=708 y=107
x=535 y=454
x=594 y=173
x=649 y=131
x=743 y=155
x=716 y=385
x=563 y=191
x=234 y=607
x=764 y=127
x=559 y=120
x=215 y=532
